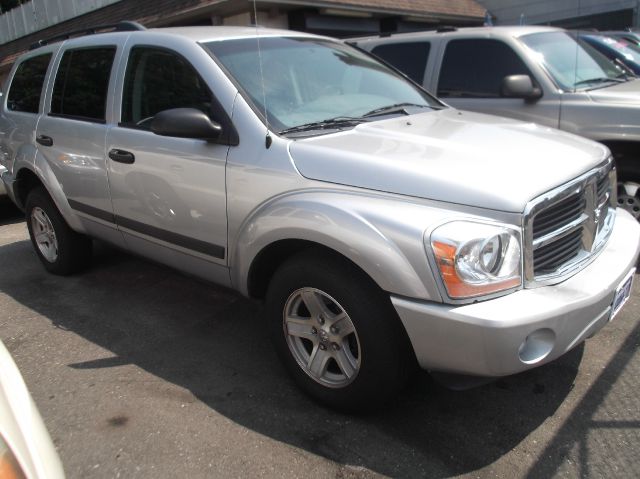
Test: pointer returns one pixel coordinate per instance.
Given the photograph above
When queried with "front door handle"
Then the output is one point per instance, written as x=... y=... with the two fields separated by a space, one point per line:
x=44 y=140
x=122 y=156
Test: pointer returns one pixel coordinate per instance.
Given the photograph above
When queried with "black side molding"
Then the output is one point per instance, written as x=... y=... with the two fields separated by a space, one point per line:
x=177 y=239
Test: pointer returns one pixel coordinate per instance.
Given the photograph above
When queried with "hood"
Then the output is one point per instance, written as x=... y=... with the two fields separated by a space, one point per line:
x=625 y=93
x=450 y=155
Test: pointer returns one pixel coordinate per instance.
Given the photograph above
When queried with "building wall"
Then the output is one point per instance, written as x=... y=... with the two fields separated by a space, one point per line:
x=40 y=14
x=603 y=14
x=344 y=19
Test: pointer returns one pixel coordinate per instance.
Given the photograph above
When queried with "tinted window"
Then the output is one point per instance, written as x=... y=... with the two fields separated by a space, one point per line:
x=81 y=84
x=476 y=68
x=409 y=58
x=26 y=87
x=158 y=80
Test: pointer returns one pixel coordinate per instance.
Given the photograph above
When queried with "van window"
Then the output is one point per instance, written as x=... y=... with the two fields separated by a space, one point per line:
x=476 y=68
x=408 y=57
x=26 y=87
x=80 y=90
x=157 y=80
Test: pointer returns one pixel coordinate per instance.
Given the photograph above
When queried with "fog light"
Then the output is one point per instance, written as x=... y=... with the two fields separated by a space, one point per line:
x=537 y=346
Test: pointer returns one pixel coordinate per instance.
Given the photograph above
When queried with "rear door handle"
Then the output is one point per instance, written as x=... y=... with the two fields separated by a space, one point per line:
x=44 y=140
x=122 y=156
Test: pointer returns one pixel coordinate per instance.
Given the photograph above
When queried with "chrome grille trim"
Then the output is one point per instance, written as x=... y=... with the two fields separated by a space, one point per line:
x=559 y=233
x=569 y=210
x=581 y=226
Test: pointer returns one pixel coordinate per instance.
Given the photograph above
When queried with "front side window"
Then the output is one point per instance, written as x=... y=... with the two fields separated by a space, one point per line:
x=80 y=89
x=476 y=68
x=157 y=80
x=410 y=57
x=305 y=80
x=26 y=87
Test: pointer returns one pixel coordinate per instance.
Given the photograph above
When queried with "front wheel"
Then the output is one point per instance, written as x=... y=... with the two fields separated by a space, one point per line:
x=337 y=333
x=60 y=249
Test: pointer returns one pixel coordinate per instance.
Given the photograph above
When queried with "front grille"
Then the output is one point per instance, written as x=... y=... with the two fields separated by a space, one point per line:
x=550 y=257
x=558 y=215
x=567 y=226
x=603 y=189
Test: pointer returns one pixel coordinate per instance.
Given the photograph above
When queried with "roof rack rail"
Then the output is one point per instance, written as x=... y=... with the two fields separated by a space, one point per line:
x=114 y=27
x=446 y=28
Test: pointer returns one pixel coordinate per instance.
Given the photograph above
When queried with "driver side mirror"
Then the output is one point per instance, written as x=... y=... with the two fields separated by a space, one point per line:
x=520 y=86
x=185 y=123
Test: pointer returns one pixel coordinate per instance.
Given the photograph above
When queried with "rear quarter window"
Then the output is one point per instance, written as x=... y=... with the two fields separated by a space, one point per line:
x=408 y=57
x=26 y=87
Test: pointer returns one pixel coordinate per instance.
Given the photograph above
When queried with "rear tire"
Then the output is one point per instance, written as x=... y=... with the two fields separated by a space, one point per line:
x=337 y=333
x=61 y=250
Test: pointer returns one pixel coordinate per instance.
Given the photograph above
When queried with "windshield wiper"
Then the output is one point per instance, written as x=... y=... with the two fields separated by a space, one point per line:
x=390 y=109
x=324 y=124
x=599 y=80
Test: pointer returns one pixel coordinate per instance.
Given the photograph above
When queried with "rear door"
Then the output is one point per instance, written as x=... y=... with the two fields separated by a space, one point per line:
x=71 y=136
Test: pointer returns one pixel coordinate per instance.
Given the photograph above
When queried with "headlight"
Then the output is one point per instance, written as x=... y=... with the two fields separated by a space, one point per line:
x=9 y=467
x=476 y=259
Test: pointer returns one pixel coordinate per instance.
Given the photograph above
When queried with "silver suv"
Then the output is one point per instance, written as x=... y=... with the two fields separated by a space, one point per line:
x=381 y=228
x=536 y=74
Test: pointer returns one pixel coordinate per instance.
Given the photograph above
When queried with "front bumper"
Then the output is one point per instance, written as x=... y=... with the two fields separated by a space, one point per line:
x=488 y=338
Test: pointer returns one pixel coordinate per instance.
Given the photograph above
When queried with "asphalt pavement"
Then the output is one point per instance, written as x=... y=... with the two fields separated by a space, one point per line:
x=140 y=371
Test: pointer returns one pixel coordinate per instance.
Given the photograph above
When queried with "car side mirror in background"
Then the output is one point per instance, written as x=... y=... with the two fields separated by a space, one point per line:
x=185 y=123
x=520 y=86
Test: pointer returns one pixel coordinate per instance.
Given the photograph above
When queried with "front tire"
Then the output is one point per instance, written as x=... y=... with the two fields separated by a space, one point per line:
x=337 y=333
x=61 y=250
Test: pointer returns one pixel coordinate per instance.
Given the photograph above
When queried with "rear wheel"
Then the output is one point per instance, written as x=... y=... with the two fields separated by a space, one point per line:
x=60 y=249
x=337 y=333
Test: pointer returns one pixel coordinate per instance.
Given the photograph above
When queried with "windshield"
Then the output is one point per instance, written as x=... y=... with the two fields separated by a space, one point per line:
x=314 y=80
x=623 y=48
x=572 y=65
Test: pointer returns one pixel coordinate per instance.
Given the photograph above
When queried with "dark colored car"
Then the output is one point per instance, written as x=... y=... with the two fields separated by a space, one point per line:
x=618 y=50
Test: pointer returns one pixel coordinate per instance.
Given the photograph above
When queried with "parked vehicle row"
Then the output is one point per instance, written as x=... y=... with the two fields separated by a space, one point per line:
x=536 y=74
x=381 y=227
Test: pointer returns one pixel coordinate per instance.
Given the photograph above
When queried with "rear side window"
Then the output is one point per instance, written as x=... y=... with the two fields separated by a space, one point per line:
x=476 y=68
x=157 y=80
x=26 y=87
x=410 y=58
x=80 y=90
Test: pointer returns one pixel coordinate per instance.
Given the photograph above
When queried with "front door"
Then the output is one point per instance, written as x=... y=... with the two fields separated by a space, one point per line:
x=168 y=193
x=471 y=76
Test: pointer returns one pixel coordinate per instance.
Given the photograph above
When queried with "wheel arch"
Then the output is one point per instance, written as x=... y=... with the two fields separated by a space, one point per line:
x=41 y=174
x=267 y=261
x=26 y=180
x=626 y=154
x=334 y=225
